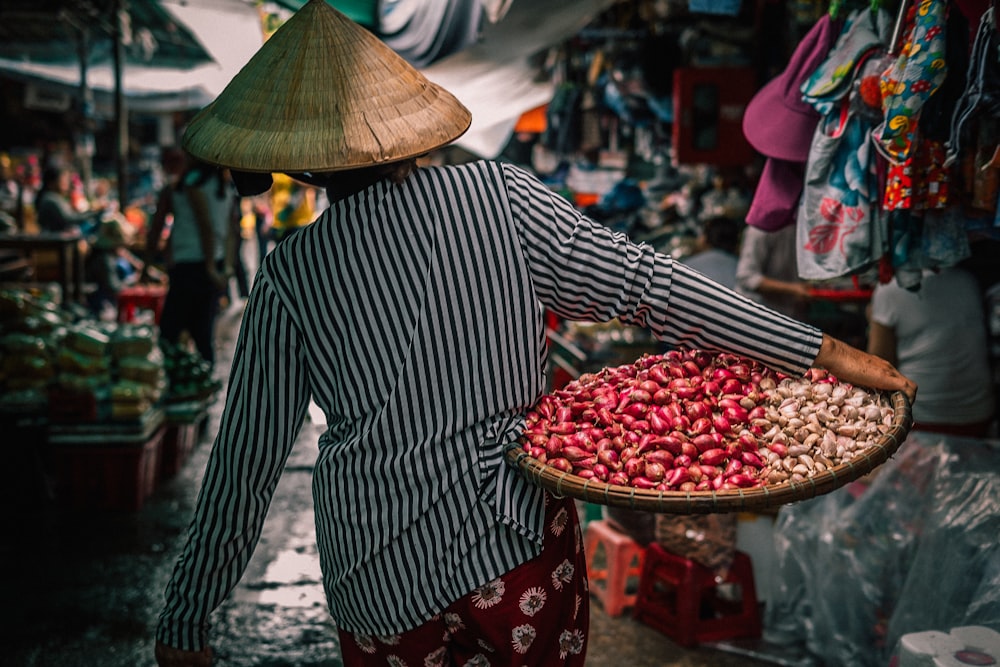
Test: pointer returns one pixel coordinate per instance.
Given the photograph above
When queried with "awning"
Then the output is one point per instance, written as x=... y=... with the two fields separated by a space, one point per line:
x=203 y=46
x=53 y=32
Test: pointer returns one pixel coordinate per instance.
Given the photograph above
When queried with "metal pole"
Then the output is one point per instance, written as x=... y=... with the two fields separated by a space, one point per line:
x=121 y=112
x=84 y=135
x=897 y=29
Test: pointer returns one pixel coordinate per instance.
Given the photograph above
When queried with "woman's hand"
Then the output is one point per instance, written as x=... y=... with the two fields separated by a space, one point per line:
x=168 y=656
x=852 y=365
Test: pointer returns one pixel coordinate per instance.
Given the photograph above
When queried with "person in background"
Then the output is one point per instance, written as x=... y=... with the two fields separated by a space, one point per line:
x=238 y=269
x=198 y=253
x=53 y=208
x=937 y=336
x=111 y=266
x=11 y=195
x=263 y=222
x=767 y=270
x=293 y=205
x=716 y=250
x=412 y=313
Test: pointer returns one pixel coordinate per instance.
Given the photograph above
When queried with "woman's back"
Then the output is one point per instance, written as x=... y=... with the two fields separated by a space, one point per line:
x=941 y=344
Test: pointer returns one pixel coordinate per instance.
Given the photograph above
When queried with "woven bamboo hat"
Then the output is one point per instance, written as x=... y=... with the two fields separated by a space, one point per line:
x=324 y=94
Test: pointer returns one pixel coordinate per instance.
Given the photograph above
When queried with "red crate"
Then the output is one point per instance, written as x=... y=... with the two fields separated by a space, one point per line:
x=680 y=598
x=178 y=443
x=73 y=407
x=113 y=477
x=147 y=297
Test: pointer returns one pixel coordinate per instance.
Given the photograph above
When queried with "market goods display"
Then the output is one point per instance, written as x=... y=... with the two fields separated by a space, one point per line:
x=696 y=432
x=79 y=370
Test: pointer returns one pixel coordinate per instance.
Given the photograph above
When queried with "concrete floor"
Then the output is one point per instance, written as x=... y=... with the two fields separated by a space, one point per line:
x=84 y=588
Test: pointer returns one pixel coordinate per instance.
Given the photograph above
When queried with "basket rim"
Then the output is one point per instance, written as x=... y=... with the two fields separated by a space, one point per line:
x=717 y=501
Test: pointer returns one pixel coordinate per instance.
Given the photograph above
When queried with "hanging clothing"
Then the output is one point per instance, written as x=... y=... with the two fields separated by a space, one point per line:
x=917 y=73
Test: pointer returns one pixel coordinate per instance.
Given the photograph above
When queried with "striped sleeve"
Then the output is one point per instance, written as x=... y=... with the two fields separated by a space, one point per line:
x=586 y=271
x=267 y=400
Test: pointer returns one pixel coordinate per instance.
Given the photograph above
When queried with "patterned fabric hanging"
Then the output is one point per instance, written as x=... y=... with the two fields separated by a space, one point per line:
x=917 y=73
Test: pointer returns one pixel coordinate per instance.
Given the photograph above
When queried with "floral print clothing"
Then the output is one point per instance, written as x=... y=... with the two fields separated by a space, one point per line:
x=536 y=615
x=919 y=183
x=917 y=73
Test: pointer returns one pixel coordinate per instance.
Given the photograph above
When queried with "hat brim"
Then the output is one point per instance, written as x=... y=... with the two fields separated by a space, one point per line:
x=776 y=199
x=774 y=129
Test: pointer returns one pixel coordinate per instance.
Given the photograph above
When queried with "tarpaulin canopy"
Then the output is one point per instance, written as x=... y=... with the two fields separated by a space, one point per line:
x=181 y=54
x=58 y=32
x=364 y=12
x=494 y=76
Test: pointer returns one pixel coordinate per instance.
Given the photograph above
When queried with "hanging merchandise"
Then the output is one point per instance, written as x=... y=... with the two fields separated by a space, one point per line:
x=778 y=123
x=562 y=127
x=935 y=239
x=919 y=183
x=978 y=167
x=982 y=94
x=841 y=229
x=776 y=199
x=918 y=72
x=864 y=32
x=719 y=7
x=709 y=105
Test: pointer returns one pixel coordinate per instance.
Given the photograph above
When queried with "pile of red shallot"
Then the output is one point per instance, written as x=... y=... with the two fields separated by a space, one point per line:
x=691 y=420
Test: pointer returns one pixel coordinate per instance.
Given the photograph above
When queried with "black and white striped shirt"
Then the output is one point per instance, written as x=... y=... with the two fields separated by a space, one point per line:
x=412 y=314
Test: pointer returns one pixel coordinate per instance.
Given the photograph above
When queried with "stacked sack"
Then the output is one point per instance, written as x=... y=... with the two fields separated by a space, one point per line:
x=31 y=329
x=80 y=389
x=140 y=377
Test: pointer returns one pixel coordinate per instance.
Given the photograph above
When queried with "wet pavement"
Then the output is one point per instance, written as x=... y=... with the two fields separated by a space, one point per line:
x=83 y=589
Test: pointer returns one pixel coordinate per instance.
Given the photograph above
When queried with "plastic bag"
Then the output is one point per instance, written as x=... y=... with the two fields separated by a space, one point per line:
x=857 y=570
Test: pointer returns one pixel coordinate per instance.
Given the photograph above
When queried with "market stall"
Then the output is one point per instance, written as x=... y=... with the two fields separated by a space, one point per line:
x=102 y=411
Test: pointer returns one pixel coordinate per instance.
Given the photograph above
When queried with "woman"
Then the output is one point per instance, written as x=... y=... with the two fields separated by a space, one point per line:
x=53 y=210
x=201 y=203
x=937 y=336
x=411 y=312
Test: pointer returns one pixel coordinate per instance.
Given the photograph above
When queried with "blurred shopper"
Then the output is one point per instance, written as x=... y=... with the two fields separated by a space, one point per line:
x=293 y=205
x=263 y=223
x=937 y=336
x=110 y=266
x=767 y=270
x=54 y=208
x=198 y=252
x=716 y=251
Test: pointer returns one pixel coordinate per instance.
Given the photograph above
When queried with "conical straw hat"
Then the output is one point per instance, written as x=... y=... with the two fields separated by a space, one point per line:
x=324 y=94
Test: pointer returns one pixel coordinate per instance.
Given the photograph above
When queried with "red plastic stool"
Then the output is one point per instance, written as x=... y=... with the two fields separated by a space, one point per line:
x=149 y=297
x=680 y=598
x=623 y=559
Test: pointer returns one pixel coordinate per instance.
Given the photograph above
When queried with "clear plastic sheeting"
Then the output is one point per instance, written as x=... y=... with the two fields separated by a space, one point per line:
x=914 y=548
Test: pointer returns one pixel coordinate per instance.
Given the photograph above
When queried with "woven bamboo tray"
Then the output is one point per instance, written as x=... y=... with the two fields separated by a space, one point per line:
x=712 y=502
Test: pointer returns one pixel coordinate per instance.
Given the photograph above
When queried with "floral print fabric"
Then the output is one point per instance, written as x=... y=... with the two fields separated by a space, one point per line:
x=535 y=615
x=917 y=73
x=919 y=183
